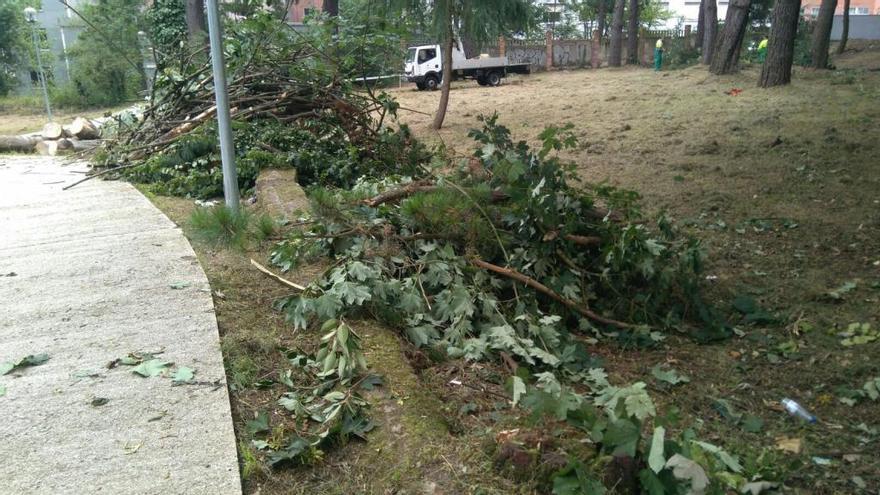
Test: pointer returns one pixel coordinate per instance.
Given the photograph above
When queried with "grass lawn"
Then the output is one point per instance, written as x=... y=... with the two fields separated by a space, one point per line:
x=783 y=188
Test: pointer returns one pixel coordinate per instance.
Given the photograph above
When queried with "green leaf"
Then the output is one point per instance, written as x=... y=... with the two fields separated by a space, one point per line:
x=259 y=424
x=669 y=376
x=656 y=461
x=686 y=469
x=183 y=375
x=726 y=410
x=334 y=396
x=153 y=367
x=730 y=461
x=179 y=285
x=752 y=424
x=2 y=390
x=32 y=360
x=6 y=367
x=639 y=404
x=838 y=293
x=622 y=437
x=519 y=388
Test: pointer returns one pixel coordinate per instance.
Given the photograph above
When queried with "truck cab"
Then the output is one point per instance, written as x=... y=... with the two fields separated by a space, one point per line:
x=424 y=67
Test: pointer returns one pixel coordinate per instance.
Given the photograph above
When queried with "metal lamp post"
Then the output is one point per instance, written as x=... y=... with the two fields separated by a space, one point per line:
x=227 y=151
x=30 y=15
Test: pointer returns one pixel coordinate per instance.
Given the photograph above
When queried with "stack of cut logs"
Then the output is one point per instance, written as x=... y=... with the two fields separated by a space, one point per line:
x=81 y=135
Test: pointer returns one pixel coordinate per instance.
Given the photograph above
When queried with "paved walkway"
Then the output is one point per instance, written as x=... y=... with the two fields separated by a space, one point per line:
x=87 y=276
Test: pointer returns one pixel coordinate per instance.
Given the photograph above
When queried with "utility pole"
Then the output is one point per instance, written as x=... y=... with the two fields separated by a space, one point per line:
x=227 y=150
x=30 y=15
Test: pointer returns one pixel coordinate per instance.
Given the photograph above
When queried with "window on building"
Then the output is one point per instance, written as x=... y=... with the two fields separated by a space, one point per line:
x=859 y=11
x=308 y=12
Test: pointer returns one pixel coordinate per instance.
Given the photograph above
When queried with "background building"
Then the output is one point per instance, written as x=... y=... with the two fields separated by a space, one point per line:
x=856 y=7
x=301 y=9
x=58 y=28
x=687 y=12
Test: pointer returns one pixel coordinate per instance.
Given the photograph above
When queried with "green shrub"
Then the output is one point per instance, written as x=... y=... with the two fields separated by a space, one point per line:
x=678 y=54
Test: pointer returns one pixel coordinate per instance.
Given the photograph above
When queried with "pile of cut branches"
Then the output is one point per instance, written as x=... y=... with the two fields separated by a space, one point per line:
x=289 y=106
x=503 y=255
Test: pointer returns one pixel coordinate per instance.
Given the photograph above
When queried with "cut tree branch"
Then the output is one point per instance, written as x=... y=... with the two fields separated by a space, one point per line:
x=538 y=286
x=277 y=277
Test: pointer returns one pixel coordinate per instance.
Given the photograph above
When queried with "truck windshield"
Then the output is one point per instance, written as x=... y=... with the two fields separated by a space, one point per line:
x=410 y=55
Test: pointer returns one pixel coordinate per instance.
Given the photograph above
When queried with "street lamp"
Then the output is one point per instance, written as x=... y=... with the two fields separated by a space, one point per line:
x=30 y=15
x=224 y=128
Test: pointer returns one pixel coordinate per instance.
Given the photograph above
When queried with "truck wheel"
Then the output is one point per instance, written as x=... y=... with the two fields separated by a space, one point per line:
x=420 y=86
x=481 y=80
x=432 y=83
x=494 y=79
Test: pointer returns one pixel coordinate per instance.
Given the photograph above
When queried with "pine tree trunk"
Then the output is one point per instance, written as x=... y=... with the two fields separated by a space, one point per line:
x=196 y=24
x=710 y=29
x=822 y=34
x=701 y=20
x=844 y=35
x=601 y=18
x=725 y=59
x=632 y=33
x=776 y=70
x=331 y=8
x=616 y=34
x=447 y=79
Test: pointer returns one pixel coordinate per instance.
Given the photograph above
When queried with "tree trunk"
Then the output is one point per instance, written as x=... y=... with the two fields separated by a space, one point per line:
x=776 y=70
x=710 y=29
x=632 y=33
x=331 y=8
x=196 y=25
x=725 y=59
x=616 y=34
x=822 y=34
x=471 y=47
x=601 y=18
x=701 y=23
x=447 y=79
x=85 y=145
x=18 y=144
x=844 y=34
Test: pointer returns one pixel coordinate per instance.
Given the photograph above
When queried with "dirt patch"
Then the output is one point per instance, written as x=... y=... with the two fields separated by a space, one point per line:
x=415 y=448
x=782 y=186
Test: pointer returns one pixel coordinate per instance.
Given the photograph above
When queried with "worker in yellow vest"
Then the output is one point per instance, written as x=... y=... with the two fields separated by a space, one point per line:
x=762 y=50
x=658 y=54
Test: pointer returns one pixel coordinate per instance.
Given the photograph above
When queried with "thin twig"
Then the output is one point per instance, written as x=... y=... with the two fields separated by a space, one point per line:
x=103 y=172
x=276 y=277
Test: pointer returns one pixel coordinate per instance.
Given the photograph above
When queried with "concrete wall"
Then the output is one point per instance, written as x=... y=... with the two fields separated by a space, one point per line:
x=578 y=53
x=861 y=27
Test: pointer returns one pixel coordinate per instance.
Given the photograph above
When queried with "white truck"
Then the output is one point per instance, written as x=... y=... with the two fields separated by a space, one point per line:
x=424 y=66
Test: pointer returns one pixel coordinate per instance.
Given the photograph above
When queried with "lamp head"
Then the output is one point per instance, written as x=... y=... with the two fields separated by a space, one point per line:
x=30 y=14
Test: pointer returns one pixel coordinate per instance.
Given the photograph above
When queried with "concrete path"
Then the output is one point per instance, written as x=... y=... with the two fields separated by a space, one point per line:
x=88 y=276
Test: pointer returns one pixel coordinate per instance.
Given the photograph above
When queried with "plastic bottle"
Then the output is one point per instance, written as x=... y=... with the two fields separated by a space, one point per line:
x=798 y=411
